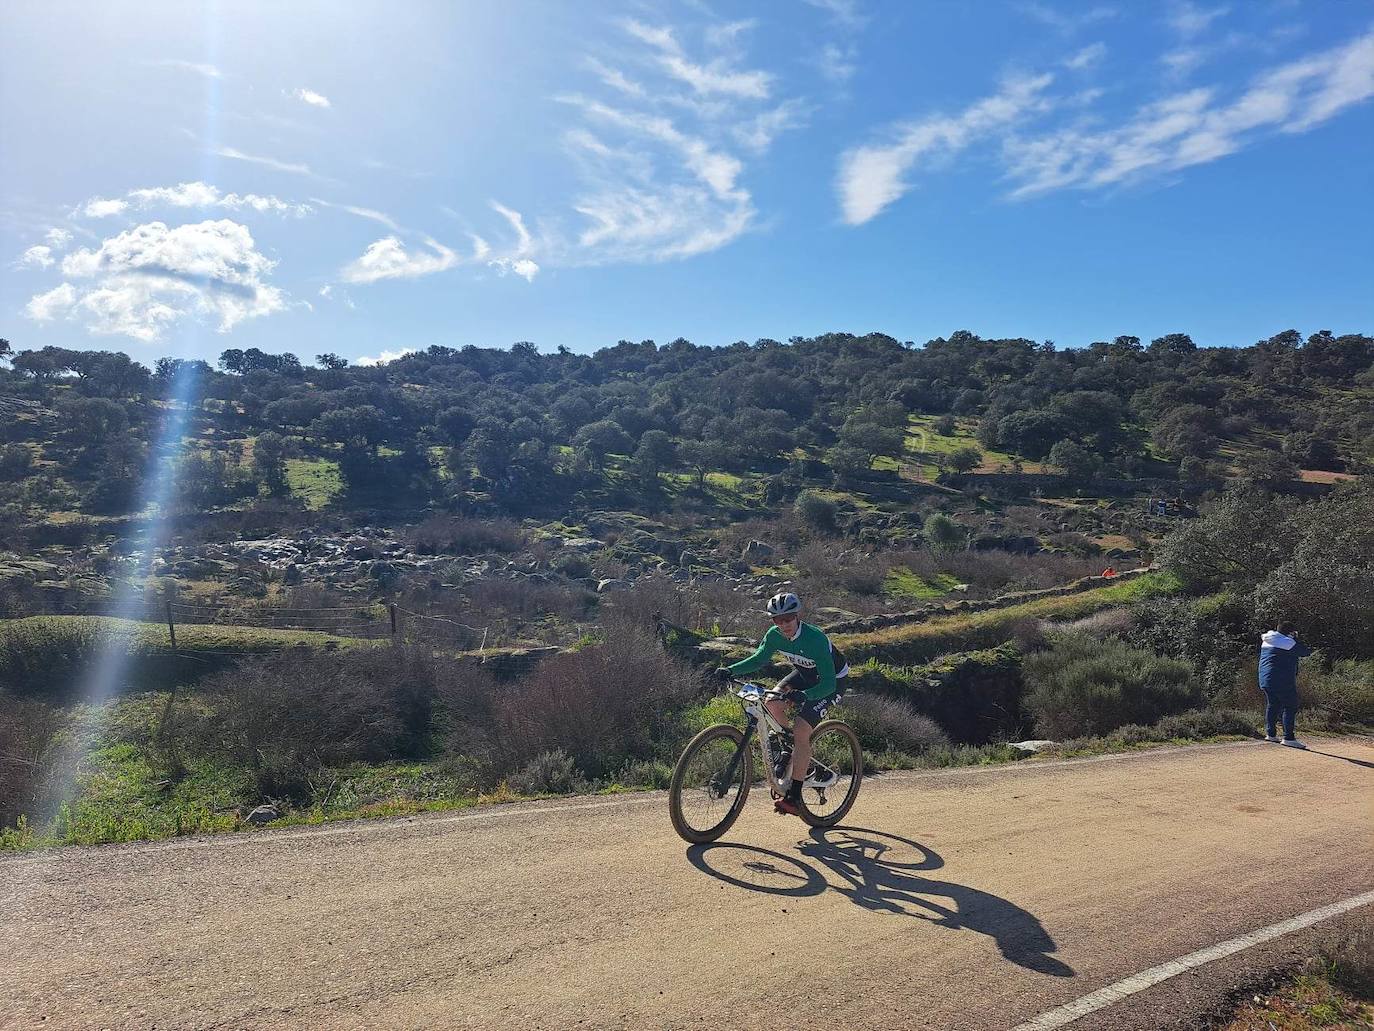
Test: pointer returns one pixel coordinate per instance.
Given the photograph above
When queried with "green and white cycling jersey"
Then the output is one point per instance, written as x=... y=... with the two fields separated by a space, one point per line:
x=810 y=653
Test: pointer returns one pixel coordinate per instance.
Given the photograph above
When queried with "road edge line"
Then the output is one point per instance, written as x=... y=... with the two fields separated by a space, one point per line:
x=1064 y=1015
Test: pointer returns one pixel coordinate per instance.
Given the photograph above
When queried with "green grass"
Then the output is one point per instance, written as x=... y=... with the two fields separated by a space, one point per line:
x=903 y=583
x=315 y=481
x=51 y=655
x=923 y=641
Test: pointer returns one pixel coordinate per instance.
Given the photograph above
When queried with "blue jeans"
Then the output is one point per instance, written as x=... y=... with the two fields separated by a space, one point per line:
x=1280 y=704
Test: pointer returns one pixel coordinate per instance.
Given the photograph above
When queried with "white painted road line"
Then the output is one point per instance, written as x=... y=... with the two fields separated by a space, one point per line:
x=1114 y=993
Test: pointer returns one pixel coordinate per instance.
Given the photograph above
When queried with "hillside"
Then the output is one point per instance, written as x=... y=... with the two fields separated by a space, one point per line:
x=199 y=565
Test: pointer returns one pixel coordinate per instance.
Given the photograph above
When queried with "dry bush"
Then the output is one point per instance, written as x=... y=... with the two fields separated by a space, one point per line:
x=491 y=600
x=1348 y=959
x=1102 y=625
x=30 y=744
x=886 y=724
x=460 y=535
x=290 y=717
x=600 y=705
x=700 y=606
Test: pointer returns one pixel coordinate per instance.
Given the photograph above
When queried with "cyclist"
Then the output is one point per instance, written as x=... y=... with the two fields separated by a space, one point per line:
x=812 y=685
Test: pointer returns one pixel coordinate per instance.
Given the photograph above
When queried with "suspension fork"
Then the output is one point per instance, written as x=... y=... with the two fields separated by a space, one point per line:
x=728 y=777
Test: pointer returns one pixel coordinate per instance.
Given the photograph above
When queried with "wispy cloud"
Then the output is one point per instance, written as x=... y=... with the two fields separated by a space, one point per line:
x=147 y=278
x=847 y=12
x=295 y=168
x=1068 y=21
x=371 y=214
x=58 y=237
x=714 y=77
x=1089 y=57
x=1196 y=126
x=837 y=61
x=309 y=96
x=189 y=195
x=1189 y=19
x=874 y=176
x=209 y=71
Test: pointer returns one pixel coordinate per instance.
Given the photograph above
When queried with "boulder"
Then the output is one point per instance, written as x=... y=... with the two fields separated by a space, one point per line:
x=755 y=551
x=612 y=585
x=581 y=544
x=263 y=814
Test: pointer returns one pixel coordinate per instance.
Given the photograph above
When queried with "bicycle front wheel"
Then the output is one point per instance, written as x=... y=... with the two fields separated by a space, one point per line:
x=710 y=784
x=837 y=769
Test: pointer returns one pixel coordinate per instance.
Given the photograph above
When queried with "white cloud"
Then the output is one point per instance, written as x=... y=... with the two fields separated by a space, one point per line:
x=846 y=12
x=615 y=78
x=326 y=290
x=517 y=222
x=269 y=162
x=872 y=177
x=190 y=195
x=371 y=214
x=37 y=256
x=715 y=77
x=677 y=221
x=1089 y=56
x=45 y=307
x=1067 y=22
x=385 y=356
x=310 y=97
x=1195 y=127
x=758 y=133
x=1189 y=19
x=480 y=247
x=151 y=276
x=388 y=258
x=98 y=208
x=523 y=267
x=837 y=62
x=210 y=71
x=57 y=237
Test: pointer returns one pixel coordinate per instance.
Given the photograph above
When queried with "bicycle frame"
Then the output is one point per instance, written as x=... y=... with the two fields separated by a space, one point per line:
x=753 y=697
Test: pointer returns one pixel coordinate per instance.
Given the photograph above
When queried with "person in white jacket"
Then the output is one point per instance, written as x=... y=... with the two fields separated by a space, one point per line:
x=1280 y=651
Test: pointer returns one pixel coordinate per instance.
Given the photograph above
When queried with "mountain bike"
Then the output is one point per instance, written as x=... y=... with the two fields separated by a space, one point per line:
x=712 y=778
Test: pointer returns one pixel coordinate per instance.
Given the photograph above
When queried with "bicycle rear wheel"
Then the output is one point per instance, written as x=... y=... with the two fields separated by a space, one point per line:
x=834 y=750
x=705 y=795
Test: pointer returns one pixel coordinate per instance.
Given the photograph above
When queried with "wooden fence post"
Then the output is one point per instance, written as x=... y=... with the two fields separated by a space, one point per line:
x=392 y=607
x=171 y=626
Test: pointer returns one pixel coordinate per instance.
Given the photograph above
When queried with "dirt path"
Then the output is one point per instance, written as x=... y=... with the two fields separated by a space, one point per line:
x=962 y=899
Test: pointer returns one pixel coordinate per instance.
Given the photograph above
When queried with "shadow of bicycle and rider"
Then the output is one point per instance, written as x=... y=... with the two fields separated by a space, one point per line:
x=882 y=872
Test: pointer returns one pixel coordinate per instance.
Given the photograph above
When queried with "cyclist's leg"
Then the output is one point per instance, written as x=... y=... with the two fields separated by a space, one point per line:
x=777 y=708
x=801 y=748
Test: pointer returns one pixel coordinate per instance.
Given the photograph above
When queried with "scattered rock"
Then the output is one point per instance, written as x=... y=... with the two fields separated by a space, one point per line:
x=612 y=585
x=581 y=544
x=1031 y=746
x=263 y=814
x=754 y=551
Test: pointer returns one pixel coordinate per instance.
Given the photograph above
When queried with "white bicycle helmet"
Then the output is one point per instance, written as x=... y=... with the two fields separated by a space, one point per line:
x=785 y=604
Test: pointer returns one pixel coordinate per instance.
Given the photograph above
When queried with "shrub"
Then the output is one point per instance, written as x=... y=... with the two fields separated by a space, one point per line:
x=1197 y=724
x=1081 y=687
x=601 y=705
x=816 y=511
x=942 y=533
x=1346 y=691
x=1348 y=959
x=30 y=740
x=288 y=718
x=892 y=725
x=459 y=535
x=549 y=773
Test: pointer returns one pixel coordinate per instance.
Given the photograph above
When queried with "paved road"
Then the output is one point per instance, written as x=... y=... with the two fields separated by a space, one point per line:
x=963 y=899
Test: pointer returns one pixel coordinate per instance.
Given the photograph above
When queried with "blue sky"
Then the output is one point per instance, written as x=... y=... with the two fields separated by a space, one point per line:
x=370 y=178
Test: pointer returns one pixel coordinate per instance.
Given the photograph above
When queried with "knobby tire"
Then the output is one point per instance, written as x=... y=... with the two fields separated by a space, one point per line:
x=743 y=778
